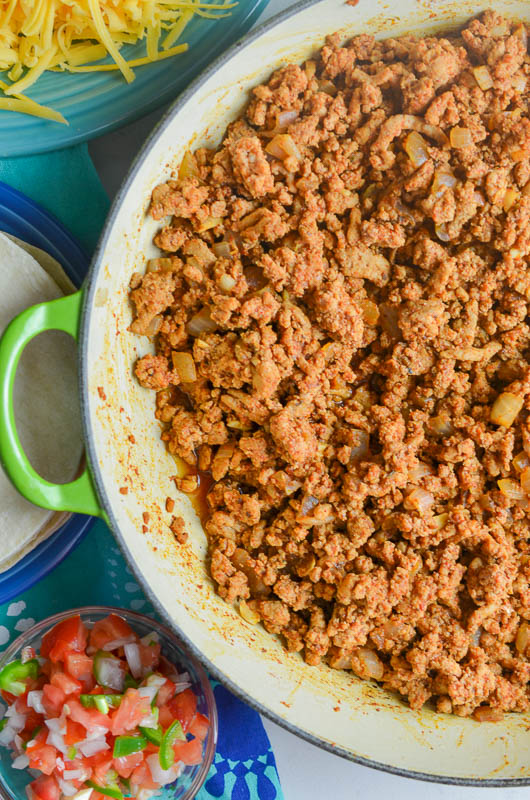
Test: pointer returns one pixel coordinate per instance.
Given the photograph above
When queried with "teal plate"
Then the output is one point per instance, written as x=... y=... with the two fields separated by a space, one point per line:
x=97 y=102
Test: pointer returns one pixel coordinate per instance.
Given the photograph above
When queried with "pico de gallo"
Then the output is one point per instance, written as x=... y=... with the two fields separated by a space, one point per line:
x=99 y=713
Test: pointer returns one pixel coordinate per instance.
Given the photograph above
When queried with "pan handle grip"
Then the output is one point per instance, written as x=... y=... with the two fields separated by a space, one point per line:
x=79 y=495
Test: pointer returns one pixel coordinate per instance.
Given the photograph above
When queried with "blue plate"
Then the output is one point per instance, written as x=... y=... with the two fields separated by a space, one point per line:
x=23 y=218
x=95 y=103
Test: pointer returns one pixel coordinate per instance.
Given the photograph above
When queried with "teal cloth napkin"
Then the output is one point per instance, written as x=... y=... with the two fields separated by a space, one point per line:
x=95 y=573
x=66 y=184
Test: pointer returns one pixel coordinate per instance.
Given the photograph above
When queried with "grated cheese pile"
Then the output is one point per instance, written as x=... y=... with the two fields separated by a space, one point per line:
x=70 y=35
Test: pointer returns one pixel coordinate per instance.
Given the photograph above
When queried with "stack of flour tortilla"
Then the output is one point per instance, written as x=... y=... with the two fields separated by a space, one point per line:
x=45 y=399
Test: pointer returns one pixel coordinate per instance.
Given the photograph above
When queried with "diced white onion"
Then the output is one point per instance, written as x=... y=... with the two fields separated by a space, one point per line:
x=56 y=725
x=150 y=637
x=21 y=762
x=150 y=720
x=73 y=774
x=96 y=732
x=132 y=654
x=156 y=680
x=144 y=794
x=92 y=746
x=111 y=673
x=7 y=736
x=182 y=686
x=57 y=741
x=148 y=691
x=84 y=794
x=35 y=701
x=116 y=643
x=159 y=775
x=68 y=789
x=27 y=654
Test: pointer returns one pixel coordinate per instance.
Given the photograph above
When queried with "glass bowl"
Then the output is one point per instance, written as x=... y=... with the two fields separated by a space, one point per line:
x=13 y=782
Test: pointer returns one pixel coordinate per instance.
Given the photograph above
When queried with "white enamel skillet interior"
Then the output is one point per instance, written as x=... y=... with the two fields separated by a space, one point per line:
x=332 y=709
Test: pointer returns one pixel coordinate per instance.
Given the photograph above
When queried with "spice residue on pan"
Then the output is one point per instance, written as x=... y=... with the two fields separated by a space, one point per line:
x=341 y=342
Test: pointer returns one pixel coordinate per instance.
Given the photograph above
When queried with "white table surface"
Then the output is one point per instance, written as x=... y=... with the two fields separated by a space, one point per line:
x=306 y=772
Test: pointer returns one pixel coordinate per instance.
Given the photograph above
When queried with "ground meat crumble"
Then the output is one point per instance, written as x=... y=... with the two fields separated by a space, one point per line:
x=340 y=321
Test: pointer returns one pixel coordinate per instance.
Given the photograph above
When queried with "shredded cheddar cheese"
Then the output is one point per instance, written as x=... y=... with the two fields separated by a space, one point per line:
x=70 y=35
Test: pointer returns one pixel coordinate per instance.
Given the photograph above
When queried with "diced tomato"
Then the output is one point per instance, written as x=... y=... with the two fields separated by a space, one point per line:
x=165 y=716
x=52 y=699
x=111 y=629
x=43 y=757
x=46 y=788
x=149 y=656
x=66 y=683
x=101 y=763
x=21 y=706
x=8 y=697
x=88 y=717
x=33 y=720
x=125 y=765
x=188 y=752
x=199 y=726
x=130 y=712
x=79 y=665
x=165 y=693
x=70 y=634
x=142 y=777
x=75 y=732
x=183 y=707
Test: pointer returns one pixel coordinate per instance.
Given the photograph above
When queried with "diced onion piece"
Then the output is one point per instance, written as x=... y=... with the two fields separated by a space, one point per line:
x=73 y=774
x=488 y=714
x=419 y=500
x=420 y=471
x=501 y=29
x=510 y=198
x=254 y=277
x=67 y=788
x=201 y=323
x=210 y=222
x=159 y=775
x=226 y=282
x=115 y=644
x=441 y=232
x=521 y=461
x=221 y=249
x=525 y=480
x=148 y=691
x=511 y=489
x=111 y=672
x=20 y=762
x=285 y=118
x=371 y=664
x=159 y=265
x=460 y=137
x=188 y=166
x=132 y=654
x=248 y=614
x=308 y=504
x=522 y=640
x=483 y=77
x=443 y=179
x=363 y=398
x=441 y=425
x=360 y=449
x=154 y=325
x=310 y=67
x=416 y=148
x=370 y=312
x=327 y=87
x=27 y=654
x=283 y=146
x=440 y=521
x=184 y=365
x=506 y=408
x=34 y=701
x=93 y=746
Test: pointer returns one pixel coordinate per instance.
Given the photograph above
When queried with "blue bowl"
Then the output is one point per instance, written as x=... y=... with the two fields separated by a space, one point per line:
x=21 y=217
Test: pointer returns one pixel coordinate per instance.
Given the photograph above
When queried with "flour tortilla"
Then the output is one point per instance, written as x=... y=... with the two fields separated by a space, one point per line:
x=45 y=398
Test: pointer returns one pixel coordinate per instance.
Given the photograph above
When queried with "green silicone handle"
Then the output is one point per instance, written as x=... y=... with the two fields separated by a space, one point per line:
x=79 y=495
